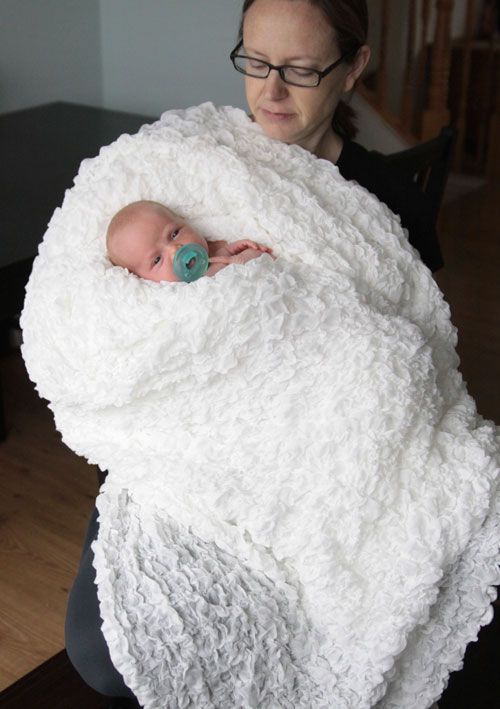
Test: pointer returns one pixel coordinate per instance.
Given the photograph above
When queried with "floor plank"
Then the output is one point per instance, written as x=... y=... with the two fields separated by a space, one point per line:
x=46 y=495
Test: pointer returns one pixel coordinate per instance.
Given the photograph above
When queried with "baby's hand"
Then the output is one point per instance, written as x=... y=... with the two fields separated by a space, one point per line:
x=236 y=247
x=240 y=257
x=239 y=252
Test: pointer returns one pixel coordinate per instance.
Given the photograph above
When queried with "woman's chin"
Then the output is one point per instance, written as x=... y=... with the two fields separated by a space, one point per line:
x=278 y=126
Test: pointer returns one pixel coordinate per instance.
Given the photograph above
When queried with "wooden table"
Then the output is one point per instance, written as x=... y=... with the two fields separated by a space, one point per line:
x=41 y=149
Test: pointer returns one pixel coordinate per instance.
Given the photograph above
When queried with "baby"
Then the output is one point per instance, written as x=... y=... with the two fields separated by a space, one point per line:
x=144 y=237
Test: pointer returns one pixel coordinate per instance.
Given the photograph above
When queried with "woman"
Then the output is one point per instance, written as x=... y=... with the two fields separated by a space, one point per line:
x=299 y=58
x=306 y=108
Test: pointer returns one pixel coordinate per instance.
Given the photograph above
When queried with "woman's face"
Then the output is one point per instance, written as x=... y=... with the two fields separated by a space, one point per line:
x=294 y=32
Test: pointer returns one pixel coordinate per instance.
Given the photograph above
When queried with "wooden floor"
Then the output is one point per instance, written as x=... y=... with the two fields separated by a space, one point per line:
x=46 y=495
x=47 y=492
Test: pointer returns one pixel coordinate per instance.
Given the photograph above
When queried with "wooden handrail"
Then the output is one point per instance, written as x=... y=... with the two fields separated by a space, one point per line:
x=468 y=37
x=407 y=104
x=437 y=113
x=431 y=97
x=381 y=82
x=422 y=68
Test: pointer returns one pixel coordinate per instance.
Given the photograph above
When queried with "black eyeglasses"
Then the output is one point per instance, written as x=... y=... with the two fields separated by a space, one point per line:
x=290 y=74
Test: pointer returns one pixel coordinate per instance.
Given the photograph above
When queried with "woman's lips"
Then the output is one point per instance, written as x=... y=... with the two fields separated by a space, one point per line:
x=276 y=116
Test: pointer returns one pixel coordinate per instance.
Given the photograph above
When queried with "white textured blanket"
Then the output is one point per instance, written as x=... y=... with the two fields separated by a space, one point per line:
x=302 y=506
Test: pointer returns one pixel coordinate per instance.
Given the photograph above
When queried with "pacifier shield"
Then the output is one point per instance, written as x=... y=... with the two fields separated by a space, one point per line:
x=190 y=262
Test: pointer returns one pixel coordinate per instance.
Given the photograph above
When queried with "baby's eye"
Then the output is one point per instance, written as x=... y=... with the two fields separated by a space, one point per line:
x=157 y=261
x=175 y=233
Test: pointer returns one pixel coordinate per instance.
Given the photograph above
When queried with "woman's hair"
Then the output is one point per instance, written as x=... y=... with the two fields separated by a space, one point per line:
x=349 y=20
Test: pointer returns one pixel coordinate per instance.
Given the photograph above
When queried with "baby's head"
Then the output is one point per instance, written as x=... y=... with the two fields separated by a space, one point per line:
x=144 y=237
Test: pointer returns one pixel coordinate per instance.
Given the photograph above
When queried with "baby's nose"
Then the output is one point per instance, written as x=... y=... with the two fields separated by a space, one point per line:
x=172 y=248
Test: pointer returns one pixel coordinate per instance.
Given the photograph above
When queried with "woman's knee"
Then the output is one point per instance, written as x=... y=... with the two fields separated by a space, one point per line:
x=85 y=643
x=89 y=654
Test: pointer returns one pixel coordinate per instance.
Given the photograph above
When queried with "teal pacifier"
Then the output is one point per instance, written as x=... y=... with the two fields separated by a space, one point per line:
x=190 y=262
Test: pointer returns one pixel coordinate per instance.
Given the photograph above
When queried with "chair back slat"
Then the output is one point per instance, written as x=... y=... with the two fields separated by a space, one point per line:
x=429 y=164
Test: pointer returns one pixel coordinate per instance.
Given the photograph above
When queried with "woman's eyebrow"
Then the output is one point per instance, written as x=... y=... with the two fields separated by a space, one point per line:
x=305 y=60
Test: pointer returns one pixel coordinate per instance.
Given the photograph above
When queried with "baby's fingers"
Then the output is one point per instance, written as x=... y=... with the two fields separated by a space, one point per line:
x=242 y=244
x=258 y=247
x=220 y=259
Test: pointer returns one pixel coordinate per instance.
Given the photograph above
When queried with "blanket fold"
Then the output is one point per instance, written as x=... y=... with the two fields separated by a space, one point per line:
x=302 y=504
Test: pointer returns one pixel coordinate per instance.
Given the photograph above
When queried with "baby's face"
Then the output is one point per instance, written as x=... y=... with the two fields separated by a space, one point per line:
x=147 y=244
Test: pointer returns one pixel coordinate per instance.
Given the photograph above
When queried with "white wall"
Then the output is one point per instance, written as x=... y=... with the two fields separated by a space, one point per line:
x=161 y=54
x=49 y=50
x=144 y=56
x=373 y=132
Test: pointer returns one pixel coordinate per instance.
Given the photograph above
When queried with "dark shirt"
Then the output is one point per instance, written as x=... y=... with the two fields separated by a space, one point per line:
x=397 y=190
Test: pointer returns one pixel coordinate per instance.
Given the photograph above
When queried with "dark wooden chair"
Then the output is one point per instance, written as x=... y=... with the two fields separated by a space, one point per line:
x=429 y=164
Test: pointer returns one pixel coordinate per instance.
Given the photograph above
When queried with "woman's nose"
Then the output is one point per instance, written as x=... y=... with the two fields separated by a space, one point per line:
x=275 y=88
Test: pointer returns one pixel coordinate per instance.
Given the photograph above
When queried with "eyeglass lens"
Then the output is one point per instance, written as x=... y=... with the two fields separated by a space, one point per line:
x=301 y=76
